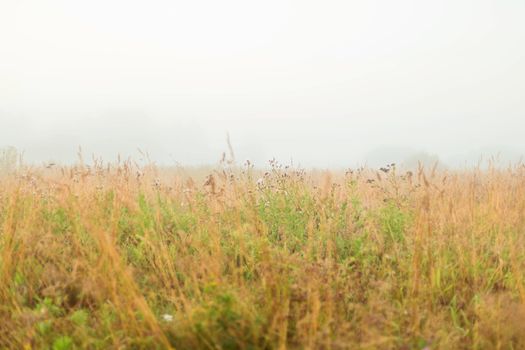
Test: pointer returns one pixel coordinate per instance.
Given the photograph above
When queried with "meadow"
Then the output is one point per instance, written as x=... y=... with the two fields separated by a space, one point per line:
x=139 y=257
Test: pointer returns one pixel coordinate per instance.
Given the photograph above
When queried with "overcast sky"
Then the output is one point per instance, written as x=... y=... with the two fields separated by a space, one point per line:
x=325 y=83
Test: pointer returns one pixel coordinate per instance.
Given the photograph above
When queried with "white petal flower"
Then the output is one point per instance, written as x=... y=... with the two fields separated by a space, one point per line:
x=167 y=317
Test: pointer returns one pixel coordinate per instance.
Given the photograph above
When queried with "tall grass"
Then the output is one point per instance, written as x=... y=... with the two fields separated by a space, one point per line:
x=120 y=256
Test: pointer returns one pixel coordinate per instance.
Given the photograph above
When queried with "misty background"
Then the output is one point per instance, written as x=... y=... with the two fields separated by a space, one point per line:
x=322 y=83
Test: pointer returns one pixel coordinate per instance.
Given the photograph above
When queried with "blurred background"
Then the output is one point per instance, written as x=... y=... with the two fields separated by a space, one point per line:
x=316 y=83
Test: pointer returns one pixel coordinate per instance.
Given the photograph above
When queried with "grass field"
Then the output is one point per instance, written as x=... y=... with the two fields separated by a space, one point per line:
x=120 y=256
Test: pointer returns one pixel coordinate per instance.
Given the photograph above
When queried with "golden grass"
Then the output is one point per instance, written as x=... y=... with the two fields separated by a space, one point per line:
x=117 y=256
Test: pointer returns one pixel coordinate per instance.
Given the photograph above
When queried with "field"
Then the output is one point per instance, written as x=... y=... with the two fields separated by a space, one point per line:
x=139 y=257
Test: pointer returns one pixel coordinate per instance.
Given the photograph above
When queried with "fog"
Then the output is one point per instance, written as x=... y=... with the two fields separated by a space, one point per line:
x=316 y=83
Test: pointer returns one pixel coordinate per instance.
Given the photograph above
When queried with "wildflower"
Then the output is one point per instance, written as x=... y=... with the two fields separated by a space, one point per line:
x=167 y=317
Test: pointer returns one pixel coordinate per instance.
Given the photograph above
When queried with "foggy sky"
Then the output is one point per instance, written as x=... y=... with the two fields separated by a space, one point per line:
x=325 y=83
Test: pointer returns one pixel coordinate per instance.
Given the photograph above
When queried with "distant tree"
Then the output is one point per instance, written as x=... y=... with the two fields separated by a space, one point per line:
x=423 y=158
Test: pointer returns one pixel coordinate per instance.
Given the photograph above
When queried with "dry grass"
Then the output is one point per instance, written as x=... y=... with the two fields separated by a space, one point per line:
x=126 y=257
